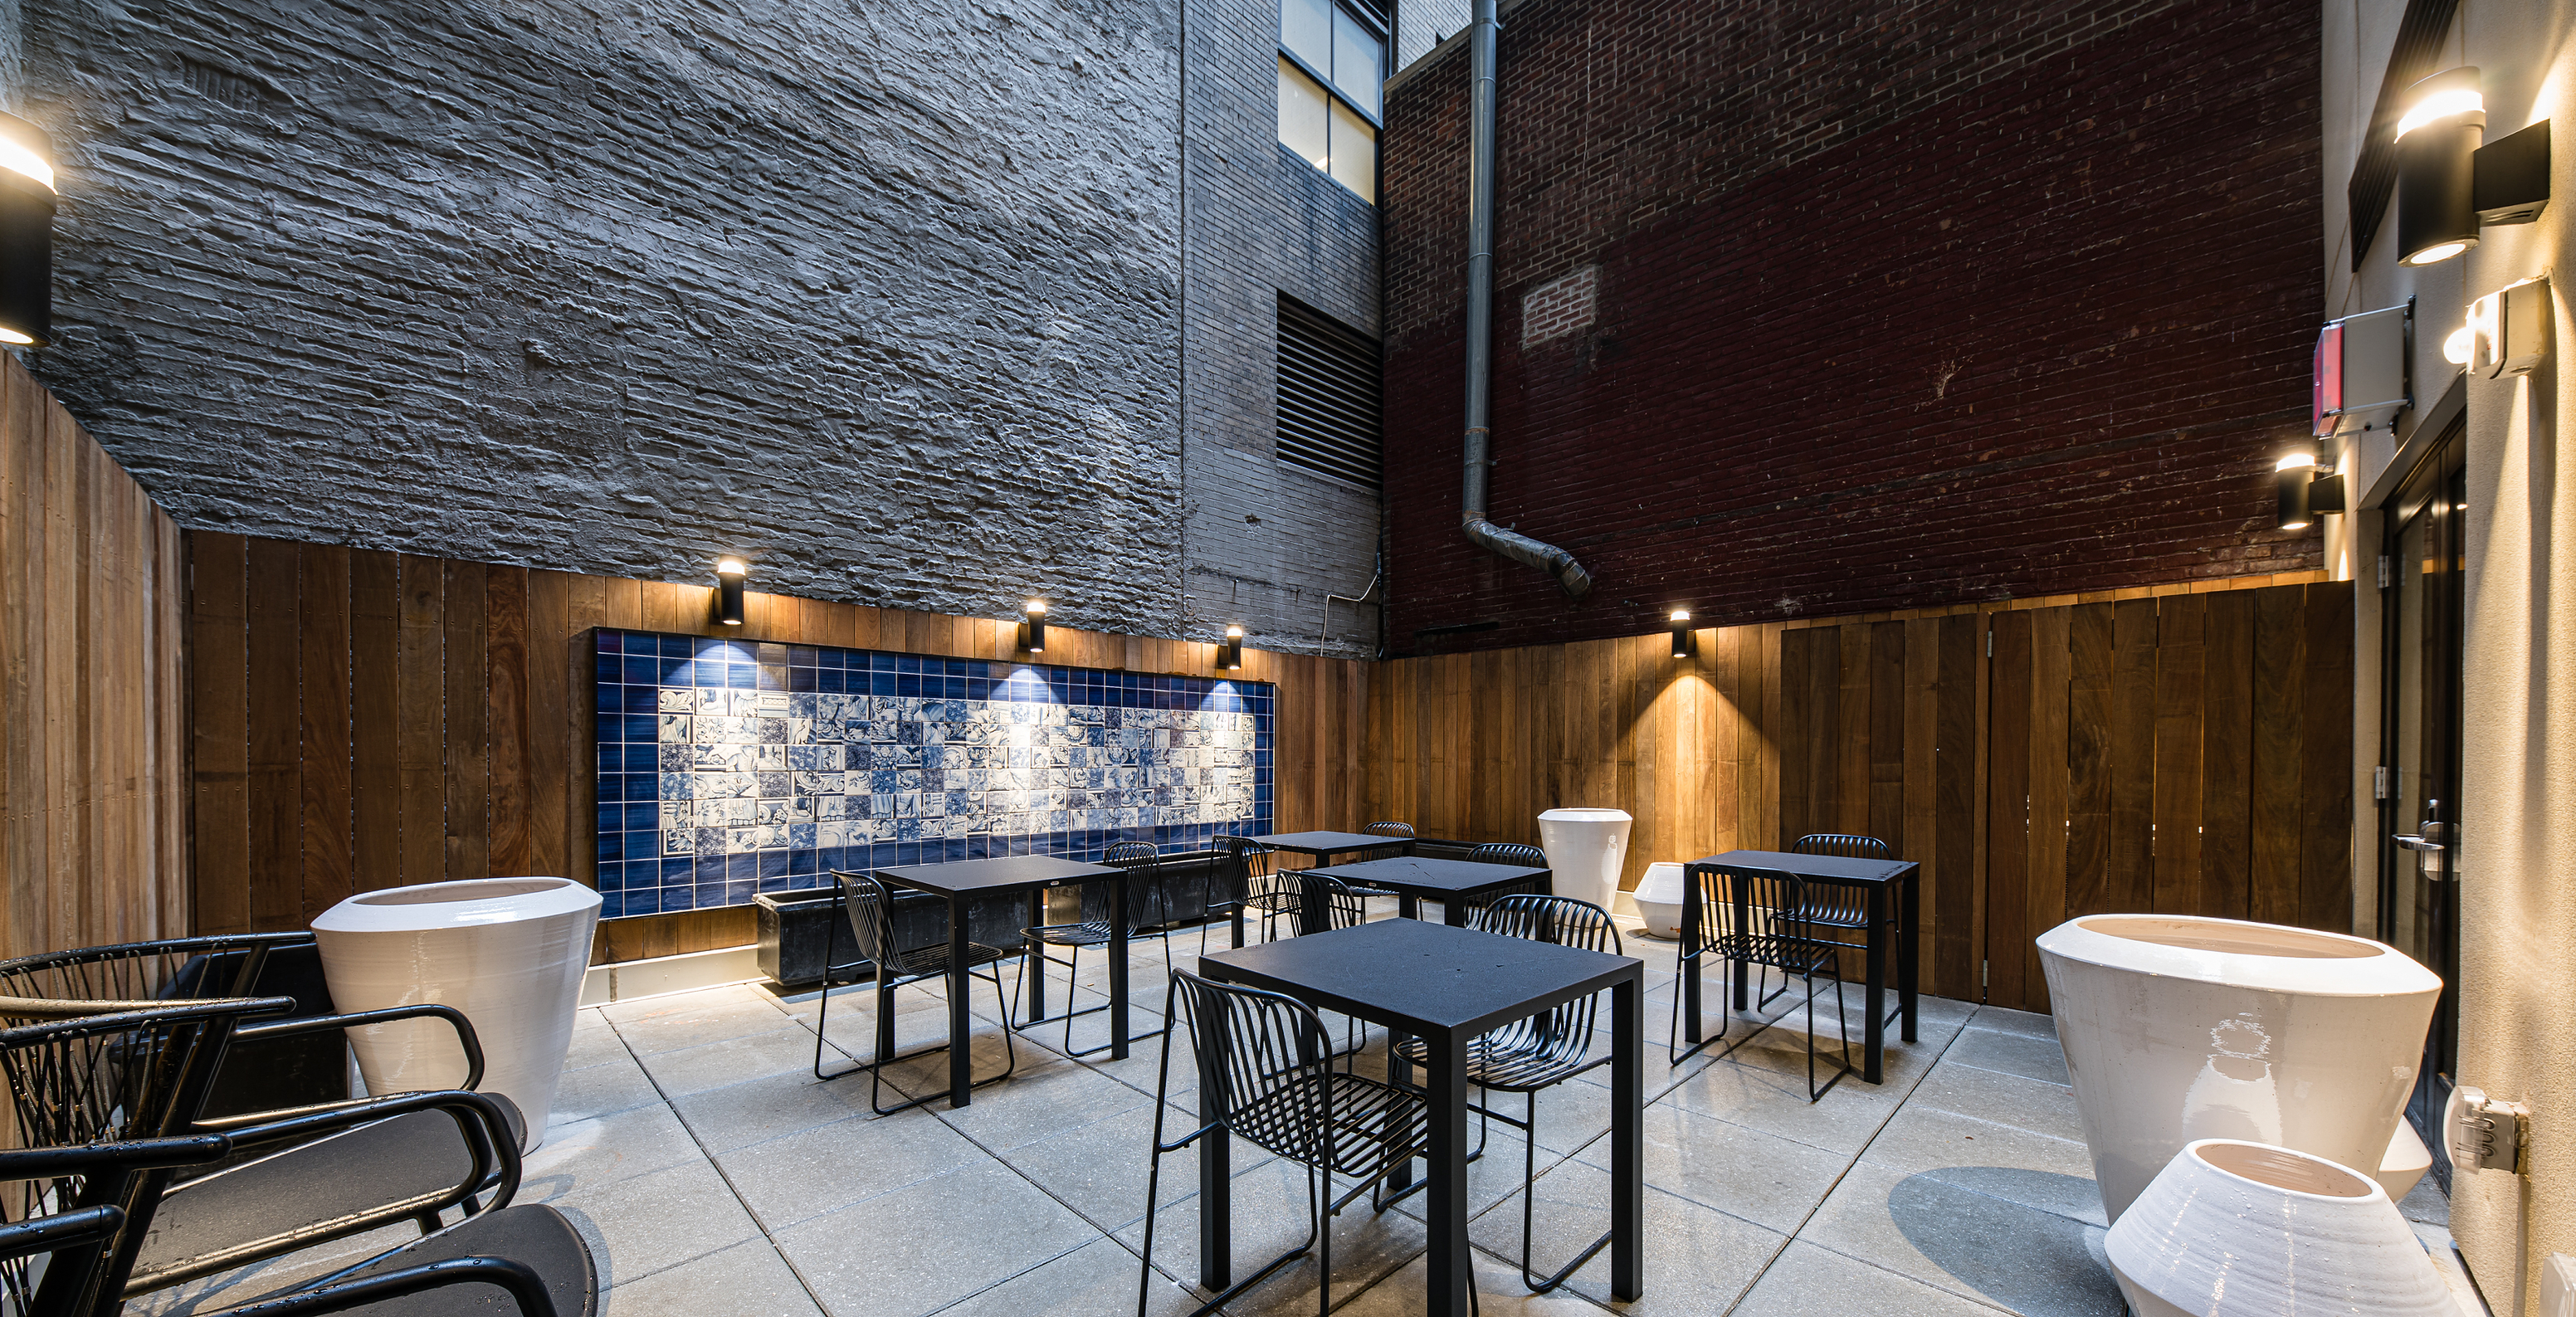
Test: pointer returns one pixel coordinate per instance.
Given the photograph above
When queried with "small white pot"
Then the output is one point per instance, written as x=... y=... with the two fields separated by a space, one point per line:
x=1585 y=851
x=2236 y=1229
x=507 y=952
x=1659 y=899
x=2180 y=1028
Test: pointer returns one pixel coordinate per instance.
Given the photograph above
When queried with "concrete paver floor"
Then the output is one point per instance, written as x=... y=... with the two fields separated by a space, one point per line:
x=715 y=1177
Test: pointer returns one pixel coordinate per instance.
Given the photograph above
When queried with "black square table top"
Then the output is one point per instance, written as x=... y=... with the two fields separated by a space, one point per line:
x=1425 y=979
x=1424 y=876
x=1815 y=868
x=1330 y=843
x=999 y=874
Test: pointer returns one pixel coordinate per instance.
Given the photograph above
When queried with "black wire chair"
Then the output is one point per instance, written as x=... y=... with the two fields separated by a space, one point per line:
x=870 y=914
x=1839 y=905
x=1520 y=854
x=531 y=1253
x=1539 y=1052
x=1249 y=871
x=1777 y=935
x=1144 y=865
x=1385 y=829
x=1266 y=1076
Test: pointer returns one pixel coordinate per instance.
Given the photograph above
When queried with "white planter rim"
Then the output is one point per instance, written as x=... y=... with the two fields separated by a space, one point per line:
x=466 y=903
x=2241 y=954
x=2277 y=1170
x=1587 y=815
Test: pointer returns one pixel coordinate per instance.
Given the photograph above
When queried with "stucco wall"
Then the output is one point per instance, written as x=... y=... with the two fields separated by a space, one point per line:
x=2517 y=981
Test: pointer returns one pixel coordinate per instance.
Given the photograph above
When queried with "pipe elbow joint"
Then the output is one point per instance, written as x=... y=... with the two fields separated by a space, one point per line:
x=1570 y=574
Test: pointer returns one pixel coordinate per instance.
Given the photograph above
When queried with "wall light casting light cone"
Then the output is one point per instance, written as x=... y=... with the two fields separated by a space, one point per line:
x=2293 y=475
x=26 y=234
x=1229 y=655
x=1033 y=627
x=2232 y=1228
x=1681 y=633
x=729 y=574
x=2437 y=142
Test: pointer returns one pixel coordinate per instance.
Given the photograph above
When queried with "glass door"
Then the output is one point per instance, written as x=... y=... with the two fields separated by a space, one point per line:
x=2420 y=854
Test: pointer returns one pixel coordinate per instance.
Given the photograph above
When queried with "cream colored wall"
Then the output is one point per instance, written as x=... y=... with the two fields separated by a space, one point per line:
x=2517 y=978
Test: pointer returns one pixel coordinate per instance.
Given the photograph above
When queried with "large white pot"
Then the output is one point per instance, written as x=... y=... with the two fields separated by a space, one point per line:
x=1659 y=899
x=2179 y=1028
x=1585 y=849
x=508 y=952
x=2234 y=1229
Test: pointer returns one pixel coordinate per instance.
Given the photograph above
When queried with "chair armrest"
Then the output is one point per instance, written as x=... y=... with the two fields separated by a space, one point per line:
x=134 y=1155
x=465 y=1038
x=487 y=1132
x=525 y=1286
x=62 y=1230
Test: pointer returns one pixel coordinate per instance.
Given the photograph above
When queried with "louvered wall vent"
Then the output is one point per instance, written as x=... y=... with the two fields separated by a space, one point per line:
x=1328 y=397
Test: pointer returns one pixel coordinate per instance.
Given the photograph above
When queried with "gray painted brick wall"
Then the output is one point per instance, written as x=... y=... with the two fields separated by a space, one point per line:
x=887 y=295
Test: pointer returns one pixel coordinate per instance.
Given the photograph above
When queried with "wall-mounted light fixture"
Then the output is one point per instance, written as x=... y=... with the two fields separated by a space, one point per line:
x=1229 y=652
x=729 y=574
x=1681 y=633
x=2304 y=495
x=1033 y=627
x=26 y=233
x=2437 y=144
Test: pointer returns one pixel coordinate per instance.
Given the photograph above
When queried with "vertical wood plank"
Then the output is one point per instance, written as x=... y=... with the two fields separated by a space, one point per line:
x=2227 y=756
x=1853 y=725
x=2050 y=665
x=2280 y=703
x=2131 y=884
x=2180 y=692
x=1952 y=889
x=219 y=702
x=2009 y=871
x=549 y=747
x=2325 y=795
x=330 y=851
x=511 y=767
x=468 y=840
x=2088 y=761
x=1886 y=816
x=276 y=778
x=420 y=720
x=375 y=766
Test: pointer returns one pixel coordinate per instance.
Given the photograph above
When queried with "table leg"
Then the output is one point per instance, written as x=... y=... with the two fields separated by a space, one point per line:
x=1117 y=969
x=1627 y=1139
x=1907 y=961
x=1453 y=911
x=1033 y=962
x=1741 y=973
x=1408 y=905
x=1216 y=1204
x=1445 y=1208
x=961 y=1028
x=1694 y=937
x=1874 y=1038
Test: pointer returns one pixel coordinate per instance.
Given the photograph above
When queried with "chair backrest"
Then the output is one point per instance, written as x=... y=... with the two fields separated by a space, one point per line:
x=871 y=911
x=1147 y=902
x=1559 y=1036
x=1388 y=830
x=143 y=975
x=1343 y=908
x=1246 y=858
x=1265 y=1060
x=1848 y=845
x=1509 y=852
x=1778 y=900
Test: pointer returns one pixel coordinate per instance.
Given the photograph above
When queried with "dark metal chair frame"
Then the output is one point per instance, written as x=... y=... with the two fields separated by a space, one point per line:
x=863 y=902
x=1779 y=935
x=1507 y=852
x=1240 y=860
x=1539 y=1052
x=1143 y=863
x=1387 y=828
x=1838 y=905
x=1265 y=1063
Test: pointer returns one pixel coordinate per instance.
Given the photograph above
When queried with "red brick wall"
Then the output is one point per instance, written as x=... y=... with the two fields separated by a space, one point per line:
x=1897 y=305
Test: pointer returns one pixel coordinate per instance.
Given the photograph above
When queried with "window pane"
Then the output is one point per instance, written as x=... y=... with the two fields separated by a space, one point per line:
x=1301 y=115
x=1357 y=67
x=1306 y=27
x=1354 y=153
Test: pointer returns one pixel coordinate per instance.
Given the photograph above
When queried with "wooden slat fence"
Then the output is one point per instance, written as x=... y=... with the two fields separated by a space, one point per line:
x=366 y=719
x=2173 y=751
x=93 y=807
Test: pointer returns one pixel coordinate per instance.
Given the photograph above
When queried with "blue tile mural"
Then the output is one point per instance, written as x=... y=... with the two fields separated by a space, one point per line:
x=728 y=768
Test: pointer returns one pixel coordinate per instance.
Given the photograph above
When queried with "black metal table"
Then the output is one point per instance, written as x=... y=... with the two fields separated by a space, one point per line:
x=1323 y=846
x=1893 y=899
x=959 y=882
x=1445 y=986
x=1453 y=883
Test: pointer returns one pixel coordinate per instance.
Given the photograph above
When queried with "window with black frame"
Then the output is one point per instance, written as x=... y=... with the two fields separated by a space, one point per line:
x=1332 y=73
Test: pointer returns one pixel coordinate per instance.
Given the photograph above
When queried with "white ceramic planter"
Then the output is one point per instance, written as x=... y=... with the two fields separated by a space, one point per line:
x=2179 y=1028
x=2234 y=1229
x=1585 y=849
x=508 y=952
x=1659 y=899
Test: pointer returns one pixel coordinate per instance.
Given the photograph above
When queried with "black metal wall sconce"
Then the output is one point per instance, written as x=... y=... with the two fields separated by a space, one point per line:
x=729 y=574
x=1229 y=652
x=2304 y=495
x=1033 y=627
x=2451 y=182
x=1682 y=645
x=26 y=234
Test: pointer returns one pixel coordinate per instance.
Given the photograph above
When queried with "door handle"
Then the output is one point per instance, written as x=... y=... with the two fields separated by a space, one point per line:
x=2413 y=842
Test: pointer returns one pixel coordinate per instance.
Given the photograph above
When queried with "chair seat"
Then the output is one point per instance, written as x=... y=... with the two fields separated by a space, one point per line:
x=1794 y=955
x=311 y=1190
x=536 y=1235
x=1498 y=1064
x=1089 y=933
x=1280 y=903
x=1832 y=916
x=1368 y=1116
x=922 y=962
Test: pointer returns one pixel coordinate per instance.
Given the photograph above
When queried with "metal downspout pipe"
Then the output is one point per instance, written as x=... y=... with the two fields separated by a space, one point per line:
x=1548 y=558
